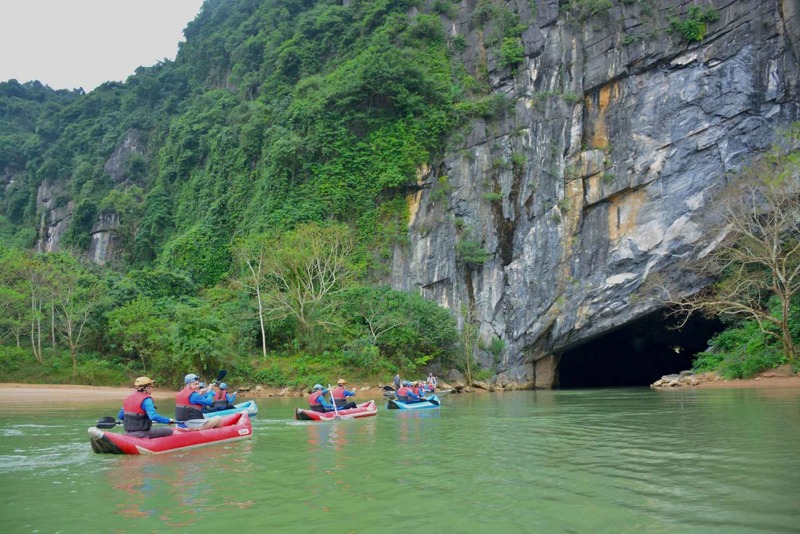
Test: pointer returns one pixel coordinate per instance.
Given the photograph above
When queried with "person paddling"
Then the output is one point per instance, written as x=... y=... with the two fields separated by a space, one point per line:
x=418 y=389
x=316 y=400
x=222 y=399
x=340 y=394
x=190 y=401
x=406 y=394
x=139 y=412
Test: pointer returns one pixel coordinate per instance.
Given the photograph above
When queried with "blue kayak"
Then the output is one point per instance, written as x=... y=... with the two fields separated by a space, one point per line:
x=247 y=406
x=431 y=401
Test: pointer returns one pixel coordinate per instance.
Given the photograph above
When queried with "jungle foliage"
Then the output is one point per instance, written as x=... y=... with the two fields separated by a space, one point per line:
x=276 y=116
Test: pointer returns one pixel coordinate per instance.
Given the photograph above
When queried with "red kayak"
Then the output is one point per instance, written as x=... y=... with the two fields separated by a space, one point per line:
x=365 y=409
x=233 y=427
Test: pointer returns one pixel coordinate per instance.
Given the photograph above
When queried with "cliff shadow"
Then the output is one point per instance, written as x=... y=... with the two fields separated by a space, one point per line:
x=636 y=354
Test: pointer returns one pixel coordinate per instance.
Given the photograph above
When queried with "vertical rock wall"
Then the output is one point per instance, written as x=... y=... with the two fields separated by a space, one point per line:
x=601 y=175
x=56 y=215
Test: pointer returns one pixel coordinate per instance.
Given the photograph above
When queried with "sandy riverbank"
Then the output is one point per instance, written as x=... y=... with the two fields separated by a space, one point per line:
x=64 y=393
x=758 y=382
x=11 y=393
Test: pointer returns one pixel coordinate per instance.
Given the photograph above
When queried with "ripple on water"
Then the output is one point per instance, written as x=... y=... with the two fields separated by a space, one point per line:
x=588 y=461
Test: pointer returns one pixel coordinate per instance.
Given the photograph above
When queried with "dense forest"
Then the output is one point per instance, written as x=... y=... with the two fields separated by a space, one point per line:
x=278 y=122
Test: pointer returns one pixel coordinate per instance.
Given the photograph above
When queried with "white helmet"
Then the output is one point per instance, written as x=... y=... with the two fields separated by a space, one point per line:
x=191 y=377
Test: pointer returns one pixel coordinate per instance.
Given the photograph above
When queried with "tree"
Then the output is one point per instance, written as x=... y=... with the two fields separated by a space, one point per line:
x=757 y=260
x=292 y=275
x=407 y=330
x=380 y=312
x=11 y=318
x=76 y=293
x=13 y=300
x=251 y=254
x=198 y=339
x=37 y=288
x=140 y=328
x=469 y=339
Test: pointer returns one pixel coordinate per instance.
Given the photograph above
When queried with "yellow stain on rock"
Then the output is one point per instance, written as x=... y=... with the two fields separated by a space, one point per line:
x=598 y=107
x=623 y=212
x=413 y=199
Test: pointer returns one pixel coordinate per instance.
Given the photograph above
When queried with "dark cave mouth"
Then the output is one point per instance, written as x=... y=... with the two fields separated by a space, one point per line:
x=636 y=354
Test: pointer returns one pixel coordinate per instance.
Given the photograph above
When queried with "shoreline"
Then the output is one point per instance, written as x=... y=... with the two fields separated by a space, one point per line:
x=759 y=382
x=11 y=393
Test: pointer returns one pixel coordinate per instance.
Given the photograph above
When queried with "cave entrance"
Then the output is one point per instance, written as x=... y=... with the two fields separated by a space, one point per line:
x=636 y=354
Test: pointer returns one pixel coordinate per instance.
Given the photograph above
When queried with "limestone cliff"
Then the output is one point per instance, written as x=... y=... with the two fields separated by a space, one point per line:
x=600 y=176
x=56 y=214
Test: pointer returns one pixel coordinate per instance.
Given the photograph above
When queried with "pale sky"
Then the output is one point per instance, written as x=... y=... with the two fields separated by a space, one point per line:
x=68 y=44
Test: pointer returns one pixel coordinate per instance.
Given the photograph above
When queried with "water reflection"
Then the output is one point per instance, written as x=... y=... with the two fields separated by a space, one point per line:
x=414 y=424
x=572 y=461
x=325 y=434
x=175 y=487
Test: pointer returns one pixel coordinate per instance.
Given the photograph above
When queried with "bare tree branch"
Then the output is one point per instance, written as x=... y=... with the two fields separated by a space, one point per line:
x=758 y=260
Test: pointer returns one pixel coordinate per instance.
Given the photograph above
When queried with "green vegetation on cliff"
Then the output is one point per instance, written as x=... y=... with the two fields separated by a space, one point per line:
x=282 y=124
x=275 y=115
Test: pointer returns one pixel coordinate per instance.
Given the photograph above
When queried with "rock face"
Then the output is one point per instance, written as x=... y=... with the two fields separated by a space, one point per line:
x=101 y=248
x=55 y=217
x=130 y=146
x=600 y=177
x=56 y=214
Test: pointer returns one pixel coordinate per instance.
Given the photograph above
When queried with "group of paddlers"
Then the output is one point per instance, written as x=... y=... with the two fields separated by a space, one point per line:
x=138 y=411
x=339 y=397
x=414 y=391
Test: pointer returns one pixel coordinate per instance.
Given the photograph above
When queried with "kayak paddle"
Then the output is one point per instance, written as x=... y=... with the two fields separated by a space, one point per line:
x=107 y=423
x=335 y=409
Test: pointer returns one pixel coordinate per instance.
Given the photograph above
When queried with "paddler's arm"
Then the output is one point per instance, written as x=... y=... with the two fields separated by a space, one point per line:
x=150 y=408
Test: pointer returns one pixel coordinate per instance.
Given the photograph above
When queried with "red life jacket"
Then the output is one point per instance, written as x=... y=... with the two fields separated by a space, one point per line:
x=402 y=393
x=134 y=418
x=339 y=397
x=313 y=399
x=221 y=400
x=184 y=409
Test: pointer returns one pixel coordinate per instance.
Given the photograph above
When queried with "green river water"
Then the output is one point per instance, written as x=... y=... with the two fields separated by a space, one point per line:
x=610 y=460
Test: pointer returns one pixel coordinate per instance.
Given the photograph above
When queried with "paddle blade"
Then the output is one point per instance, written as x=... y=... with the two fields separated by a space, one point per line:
x=107 y=423
x=221 y=375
